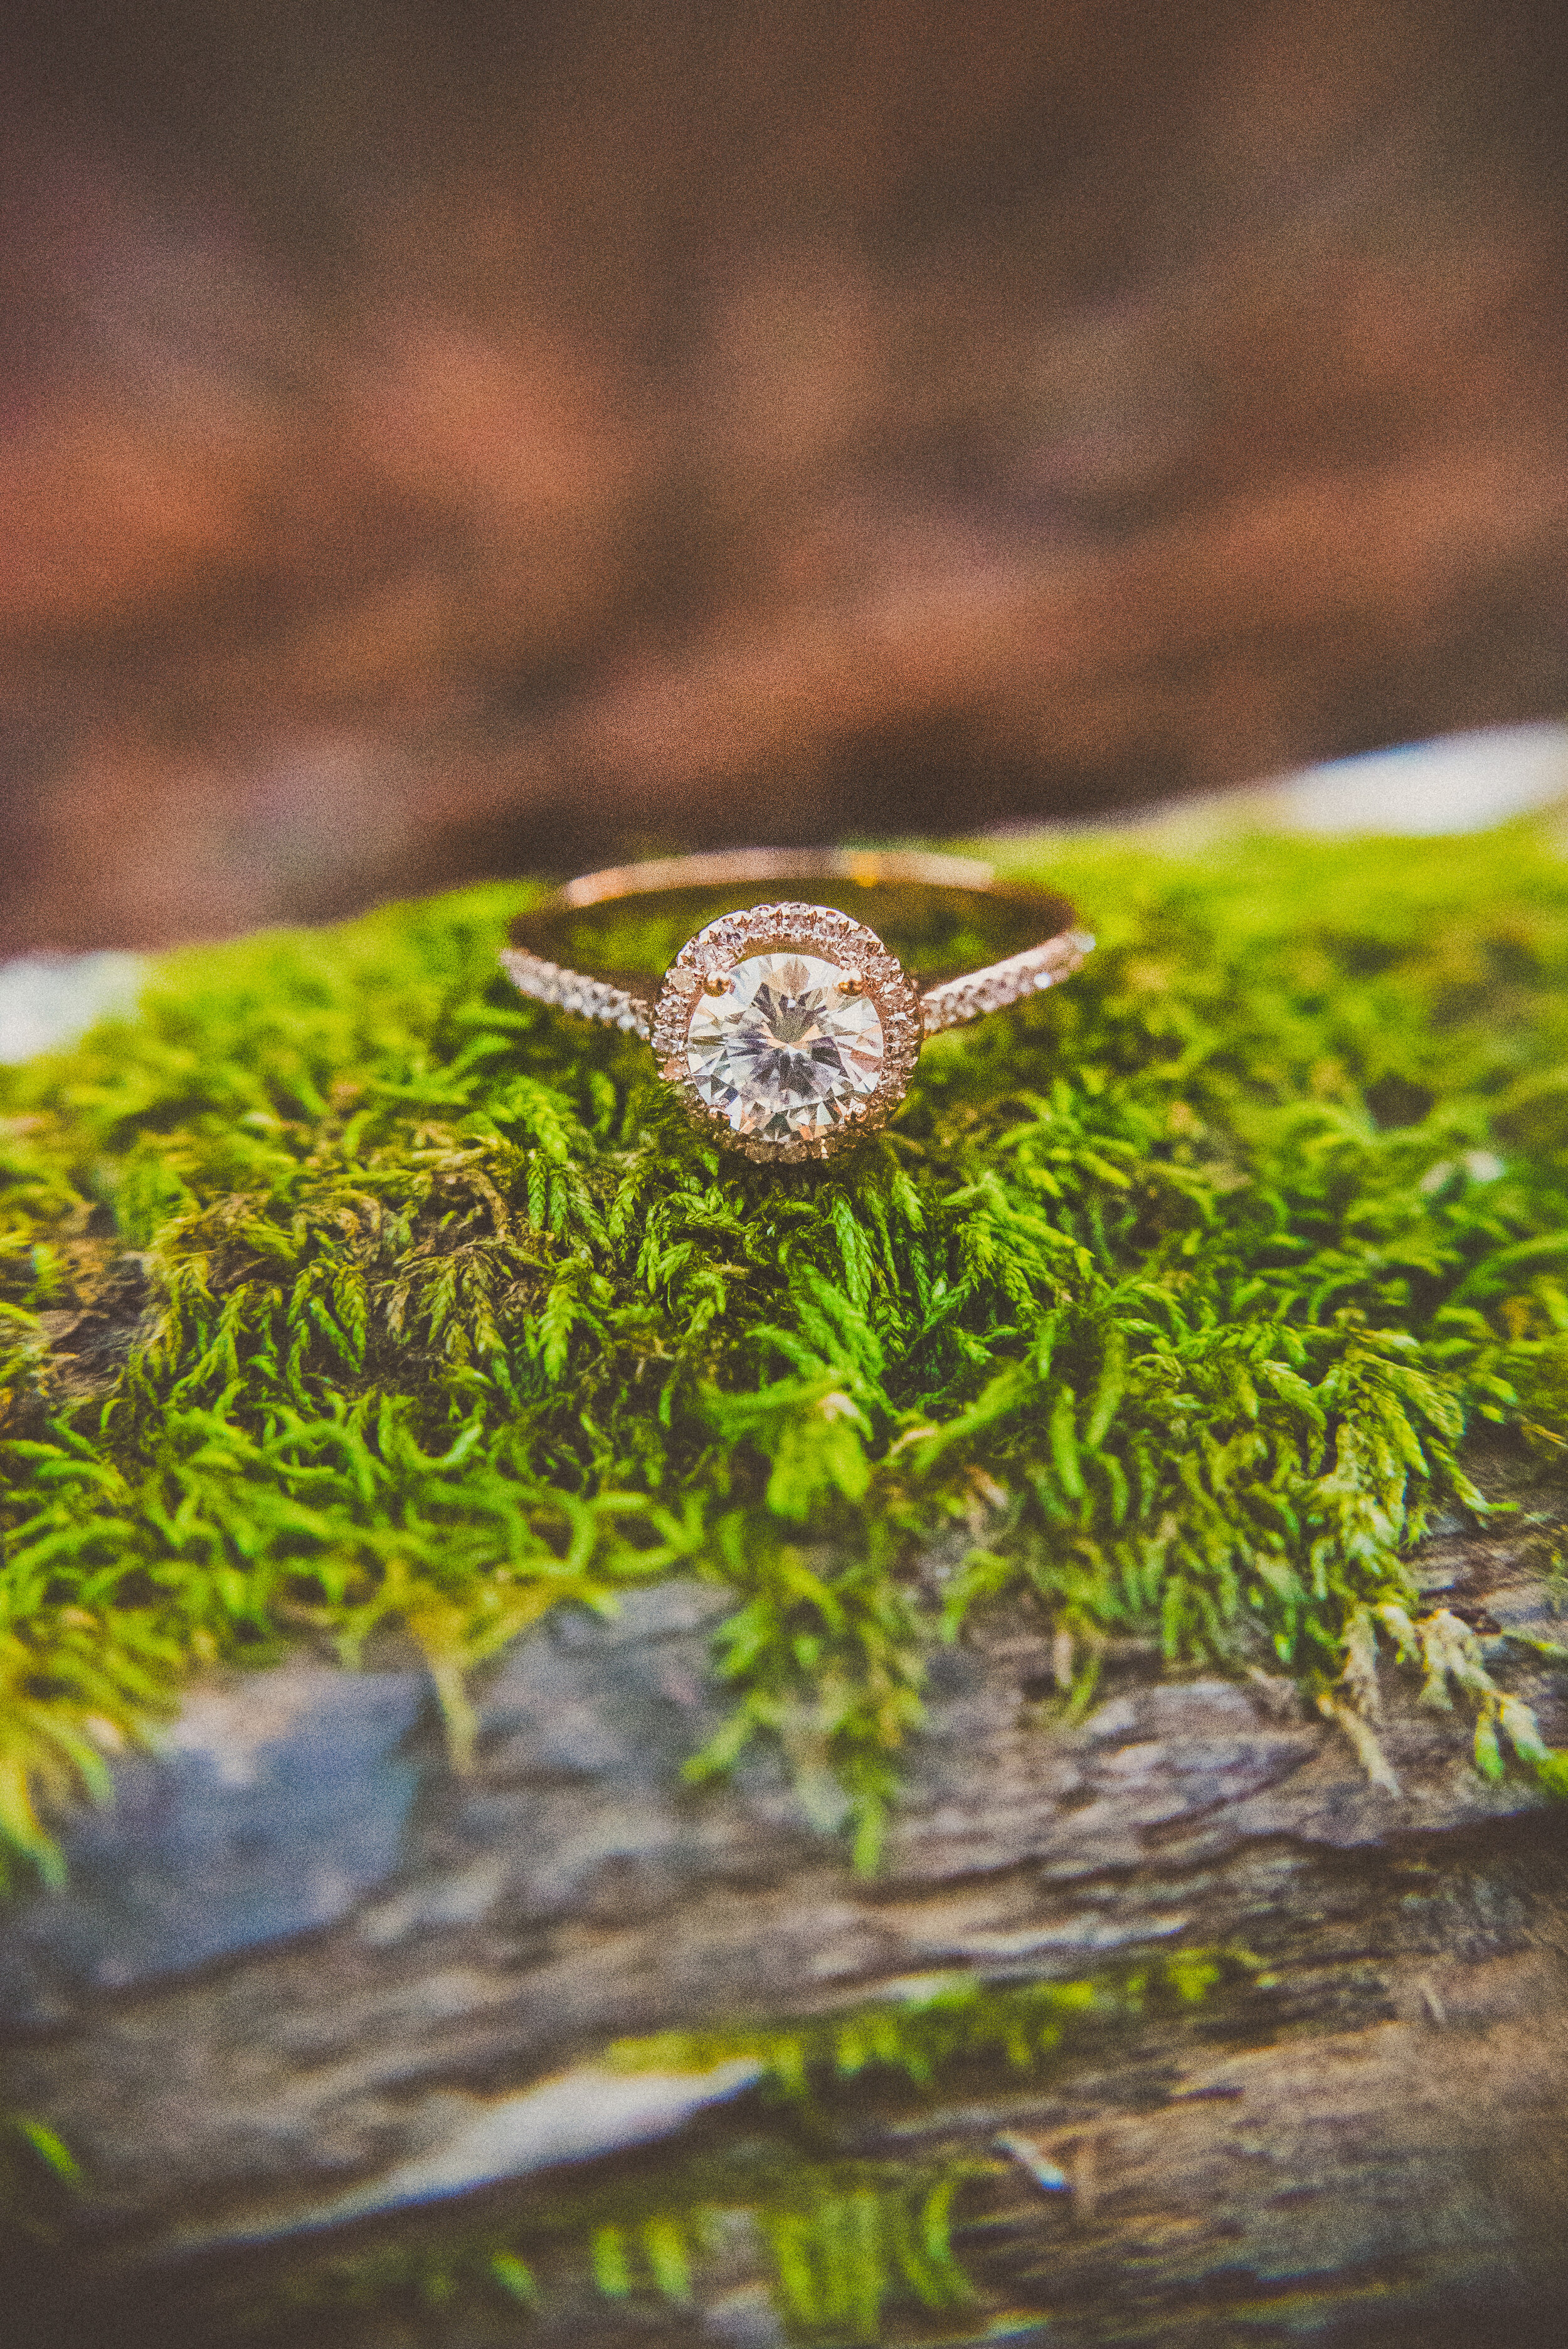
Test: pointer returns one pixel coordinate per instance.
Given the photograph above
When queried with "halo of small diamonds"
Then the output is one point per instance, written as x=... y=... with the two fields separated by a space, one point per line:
x=833 y=945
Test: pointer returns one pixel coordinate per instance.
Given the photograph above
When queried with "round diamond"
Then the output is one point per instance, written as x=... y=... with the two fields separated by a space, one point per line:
x=790 y=1049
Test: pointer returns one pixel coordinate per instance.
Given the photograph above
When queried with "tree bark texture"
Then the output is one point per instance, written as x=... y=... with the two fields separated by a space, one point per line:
x=307 y=1992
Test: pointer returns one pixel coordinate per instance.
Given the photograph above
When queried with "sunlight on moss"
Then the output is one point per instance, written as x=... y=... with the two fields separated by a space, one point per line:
x=1172 y=1296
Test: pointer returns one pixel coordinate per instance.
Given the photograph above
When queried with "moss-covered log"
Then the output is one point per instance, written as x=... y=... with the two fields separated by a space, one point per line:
x=1167 y=2027
x=1074 y=1763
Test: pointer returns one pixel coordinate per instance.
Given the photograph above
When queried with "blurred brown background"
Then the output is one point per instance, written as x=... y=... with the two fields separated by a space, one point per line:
x=441 y=438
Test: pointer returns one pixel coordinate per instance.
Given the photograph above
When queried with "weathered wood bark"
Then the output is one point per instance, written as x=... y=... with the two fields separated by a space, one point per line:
x=308 y=1989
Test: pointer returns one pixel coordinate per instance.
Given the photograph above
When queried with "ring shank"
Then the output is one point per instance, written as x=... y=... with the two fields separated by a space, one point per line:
x=737 y=868
x=972 y=944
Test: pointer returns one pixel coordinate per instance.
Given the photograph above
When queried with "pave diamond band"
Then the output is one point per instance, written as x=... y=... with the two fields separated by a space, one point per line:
x=573 y=990
x=999 y=984
x=576 y=992
x=788 y=1027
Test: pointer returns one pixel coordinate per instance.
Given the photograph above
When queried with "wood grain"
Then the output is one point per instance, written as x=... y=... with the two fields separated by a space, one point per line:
x=305 y=1979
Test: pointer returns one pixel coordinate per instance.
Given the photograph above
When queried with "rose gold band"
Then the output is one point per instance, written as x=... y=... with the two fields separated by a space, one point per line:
x=626 y=999
x=741 y=868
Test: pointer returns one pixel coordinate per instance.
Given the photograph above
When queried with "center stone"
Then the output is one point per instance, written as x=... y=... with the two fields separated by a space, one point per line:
x=787 y=1052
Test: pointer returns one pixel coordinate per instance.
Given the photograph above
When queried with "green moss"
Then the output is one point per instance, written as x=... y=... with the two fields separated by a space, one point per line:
x=949 y=2020
x=842 y=2242
x=38 y=2175
x=838 y=2242
x=1170 y=1296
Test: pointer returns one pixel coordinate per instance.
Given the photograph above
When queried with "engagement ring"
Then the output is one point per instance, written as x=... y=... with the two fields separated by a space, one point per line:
x=788 y=1027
